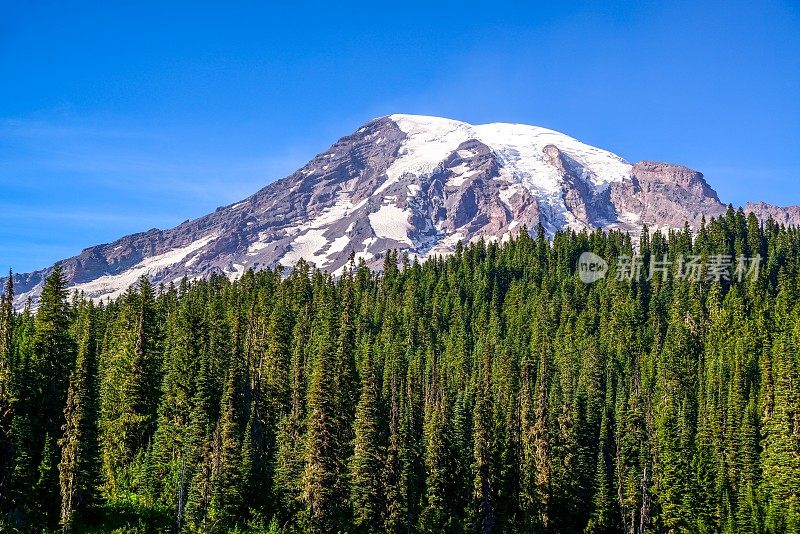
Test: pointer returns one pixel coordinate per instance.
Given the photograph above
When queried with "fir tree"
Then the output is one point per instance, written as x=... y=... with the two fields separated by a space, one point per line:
x=366 y=494
x=227 y=501
x=79 y=468
x=6 y=388
x=321 y=479
x=483 y=449
x=51 y=362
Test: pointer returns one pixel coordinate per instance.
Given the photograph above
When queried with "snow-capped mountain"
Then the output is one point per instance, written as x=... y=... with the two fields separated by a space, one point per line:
x=414 y=183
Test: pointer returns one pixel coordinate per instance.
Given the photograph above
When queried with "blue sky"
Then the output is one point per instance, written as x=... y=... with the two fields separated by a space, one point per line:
x=117 y=117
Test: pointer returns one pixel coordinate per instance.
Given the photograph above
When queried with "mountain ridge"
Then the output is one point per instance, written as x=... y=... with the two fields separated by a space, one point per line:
x=415 y=183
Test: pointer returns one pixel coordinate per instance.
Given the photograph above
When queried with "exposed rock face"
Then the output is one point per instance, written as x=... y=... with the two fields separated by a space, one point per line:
x=417 y=184
x=664 y=195
x=789 y=216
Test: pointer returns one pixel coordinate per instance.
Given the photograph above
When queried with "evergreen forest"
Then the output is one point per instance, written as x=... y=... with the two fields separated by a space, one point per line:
x=487 y=391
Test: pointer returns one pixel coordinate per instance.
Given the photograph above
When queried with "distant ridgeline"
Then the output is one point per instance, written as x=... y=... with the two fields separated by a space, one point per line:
x=495 y=389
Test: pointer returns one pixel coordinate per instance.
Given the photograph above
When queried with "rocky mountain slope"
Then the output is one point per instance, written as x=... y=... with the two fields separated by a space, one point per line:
x=415 y=183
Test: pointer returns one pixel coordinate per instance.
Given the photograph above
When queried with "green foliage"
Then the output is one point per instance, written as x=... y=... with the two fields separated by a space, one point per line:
x=489 y=391
x=79 y=469
x=368 y=456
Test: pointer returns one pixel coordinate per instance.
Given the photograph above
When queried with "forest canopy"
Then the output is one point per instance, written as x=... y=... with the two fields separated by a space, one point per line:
x=488 y=391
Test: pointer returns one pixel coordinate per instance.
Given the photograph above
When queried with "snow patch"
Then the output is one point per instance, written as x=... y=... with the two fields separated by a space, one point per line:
x=459 y=179
x=112 y=286
x=257 y=246
x=340 y=209
x=391 y=222
x=236 y=270
x=338 y=245
x=445 y=245
x=306 y=246
x=521 y=150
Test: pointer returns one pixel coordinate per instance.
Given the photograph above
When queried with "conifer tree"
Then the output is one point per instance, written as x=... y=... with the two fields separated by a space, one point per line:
x=321 y=479
x=227 y=501
x=366 y=494
x=396 y=508
x=51 y=362
x=53 y=350
x=79 y=472
x=291 y=431
x=602 y=513
x=129 y=386
x=6 y=347
x=483 y=449
x=201 y=441
x=411 y=444
x=528 y=493
x=6 y=388
x=438 y=514
x=172 y=450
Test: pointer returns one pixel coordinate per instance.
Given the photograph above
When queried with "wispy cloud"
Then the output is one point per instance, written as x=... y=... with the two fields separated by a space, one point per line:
x=37 y=129
x=69 y=183
x=119 y=160
x=21 y=212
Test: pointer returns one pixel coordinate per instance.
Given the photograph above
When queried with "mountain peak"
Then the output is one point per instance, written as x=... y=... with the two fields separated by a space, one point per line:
x=414 y=183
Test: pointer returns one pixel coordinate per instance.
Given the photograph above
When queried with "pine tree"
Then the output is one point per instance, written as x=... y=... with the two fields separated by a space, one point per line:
x=781 y=418
x=52 y=359
x=145 y=380
x=129 y=386
x=396 y=507
x=79 y=468
x=483 y=449
x=291 y=430
x=321 y=479
x=172 y=450
x=277 y=361
x=6 y=389
x=199 y=450
x=24 y=442
x=46 y=497
x=53 y=350
x=541 y=442
x=602 y=513
x=6 y=347
x=674 y=422
x=439 y=513
x=227 y=501
x=411 y=456
x=369 y=455
x=345 y=376
x=528 y=493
